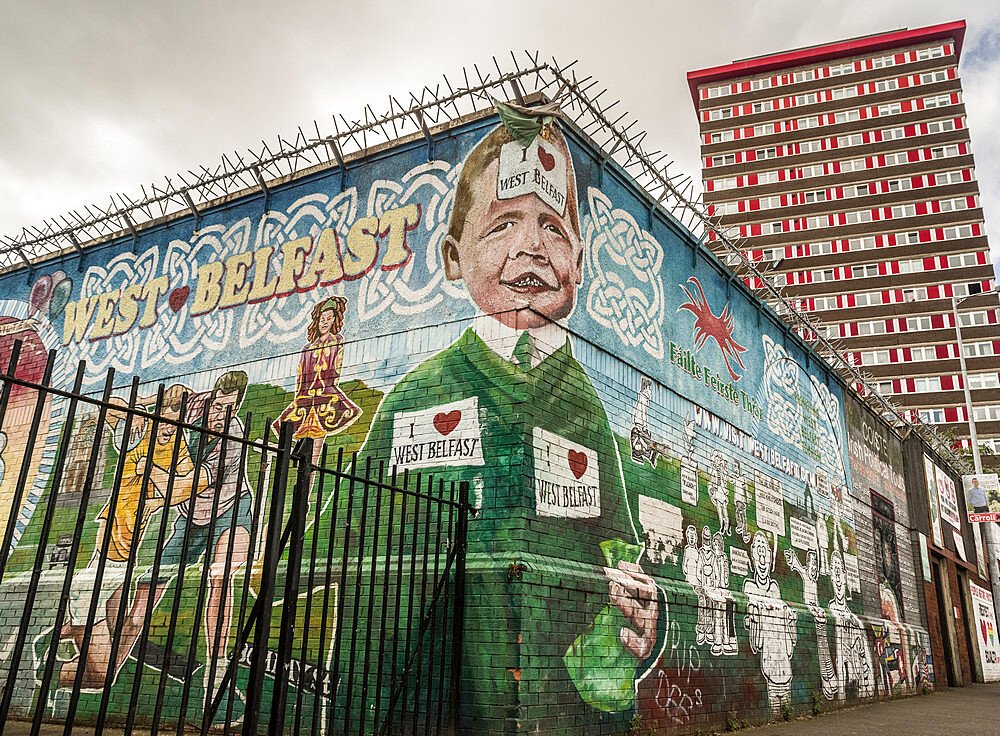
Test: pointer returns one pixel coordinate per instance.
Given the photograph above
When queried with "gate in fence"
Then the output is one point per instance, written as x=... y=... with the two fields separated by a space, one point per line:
x=191 y=567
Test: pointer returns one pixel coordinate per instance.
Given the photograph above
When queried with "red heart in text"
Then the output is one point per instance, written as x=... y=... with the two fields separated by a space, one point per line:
x=446 y=423
x=178 y=297
x=577 y=463
x=547 y=159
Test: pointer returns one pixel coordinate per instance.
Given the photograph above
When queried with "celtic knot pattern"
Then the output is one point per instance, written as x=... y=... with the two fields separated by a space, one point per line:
x=789 y=416
x=778 y=390
x=624 y=261
x=176 y=337
x=283 y=320
x=420 y=285
x=829 y=433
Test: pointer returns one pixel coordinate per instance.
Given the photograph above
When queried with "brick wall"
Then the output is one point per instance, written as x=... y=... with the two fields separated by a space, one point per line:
x=668 y=528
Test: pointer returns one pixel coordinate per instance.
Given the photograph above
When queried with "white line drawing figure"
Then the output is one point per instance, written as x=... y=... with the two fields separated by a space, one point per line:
x=693 y=561
x=723 y=603
x=644 y=447
x=822 y=506
x=689 y=436
x=706 y=577
x=717 y=490
x=810 y=575
x=839 y=535
x=770 y=623
x=854 y=664
x=739 y=481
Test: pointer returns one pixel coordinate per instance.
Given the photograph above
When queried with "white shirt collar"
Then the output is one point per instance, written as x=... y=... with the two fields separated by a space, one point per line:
x=502 y=339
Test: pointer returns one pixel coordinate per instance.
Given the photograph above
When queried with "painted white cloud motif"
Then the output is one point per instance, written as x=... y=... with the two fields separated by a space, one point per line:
x=623 y=260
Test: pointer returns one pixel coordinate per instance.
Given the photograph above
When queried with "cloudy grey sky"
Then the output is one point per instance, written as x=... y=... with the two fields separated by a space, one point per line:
x=103 y=96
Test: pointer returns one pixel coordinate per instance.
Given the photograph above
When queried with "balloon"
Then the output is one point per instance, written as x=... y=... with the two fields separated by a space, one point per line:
x=40 y=293
x=60 y=296
x=58 y=276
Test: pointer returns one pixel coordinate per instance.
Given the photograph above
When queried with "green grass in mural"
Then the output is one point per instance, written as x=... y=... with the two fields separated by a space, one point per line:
x=260 y=403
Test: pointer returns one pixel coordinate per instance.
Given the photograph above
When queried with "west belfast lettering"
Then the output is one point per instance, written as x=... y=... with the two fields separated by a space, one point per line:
x=566 y=478
x=539 y=169
x=271 y=272
x=442 y=436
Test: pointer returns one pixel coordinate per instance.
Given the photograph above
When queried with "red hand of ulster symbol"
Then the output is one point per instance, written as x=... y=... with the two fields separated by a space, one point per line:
x=577 y=463
x=446 y=423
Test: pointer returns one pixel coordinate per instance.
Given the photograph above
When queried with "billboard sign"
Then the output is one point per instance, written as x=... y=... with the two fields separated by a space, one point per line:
x=986 y=631
x=982 y=497
x=932 y=502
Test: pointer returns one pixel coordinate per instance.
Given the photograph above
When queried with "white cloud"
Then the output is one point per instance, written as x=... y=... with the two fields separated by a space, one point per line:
x=979 y=79
x=102 y=97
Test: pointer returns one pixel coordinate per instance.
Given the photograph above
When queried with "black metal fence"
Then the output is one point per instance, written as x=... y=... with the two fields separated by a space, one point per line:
x=184 y=566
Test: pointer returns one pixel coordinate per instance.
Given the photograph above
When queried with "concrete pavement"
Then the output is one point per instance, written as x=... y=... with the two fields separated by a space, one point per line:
x=958 y=711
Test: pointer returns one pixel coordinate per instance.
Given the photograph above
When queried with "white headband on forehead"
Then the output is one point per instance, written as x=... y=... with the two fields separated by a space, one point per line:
x=539 y=169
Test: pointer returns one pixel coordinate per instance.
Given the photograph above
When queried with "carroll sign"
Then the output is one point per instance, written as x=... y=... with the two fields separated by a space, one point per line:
x=982 y=497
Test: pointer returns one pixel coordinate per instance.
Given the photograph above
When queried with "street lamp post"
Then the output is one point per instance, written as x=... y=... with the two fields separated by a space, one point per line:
x=990 y=527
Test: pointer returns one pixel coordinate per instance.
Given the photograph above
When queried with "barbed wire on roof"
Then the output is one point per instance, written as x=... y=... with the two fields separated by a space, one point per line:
x=339 y=141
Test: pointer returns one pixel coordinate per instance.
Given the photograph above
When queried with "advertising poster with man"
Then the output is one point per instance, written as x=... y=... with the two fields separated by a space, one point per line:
x=982 y=497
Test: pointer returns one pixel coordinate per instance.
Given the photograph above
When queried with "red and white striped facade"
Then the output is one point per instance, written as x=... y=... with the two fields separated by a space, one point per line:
x=848 y=168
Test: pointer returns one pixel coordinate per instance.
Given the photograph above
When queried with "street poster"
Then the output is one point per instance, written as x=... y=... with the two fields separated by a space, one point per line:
x=925 y=558
x=986 y=631
x=948 y=499
x=982 y=497
x=932 y=501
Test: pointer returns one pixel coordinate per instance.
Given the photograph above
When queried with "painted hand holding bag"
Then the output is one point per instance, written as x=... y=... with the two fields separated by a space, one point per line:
x=599 y=648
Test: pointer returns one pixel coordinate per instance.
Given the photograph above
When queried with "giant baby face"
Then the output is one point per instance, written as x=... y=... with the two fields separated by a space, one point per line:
x=519 y=246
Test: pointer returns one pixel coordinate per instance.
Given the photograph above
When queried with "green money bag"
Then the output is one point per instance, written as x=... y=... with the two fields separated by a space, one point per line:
x=602 y=670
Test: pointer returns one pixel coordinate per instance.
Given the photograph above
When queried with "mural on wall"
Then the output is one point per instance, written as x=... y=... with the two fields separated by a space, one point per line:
x=320 y=408
x=27 y=321
x=887 y=558
x=876 y=454
x=122 y=524
x=635 y=426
